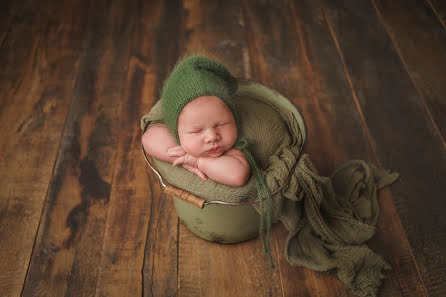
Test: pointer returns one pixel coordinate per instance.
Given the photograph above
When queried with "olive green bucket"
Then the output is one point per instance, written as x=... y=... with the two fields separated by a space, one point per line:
x=220 y=221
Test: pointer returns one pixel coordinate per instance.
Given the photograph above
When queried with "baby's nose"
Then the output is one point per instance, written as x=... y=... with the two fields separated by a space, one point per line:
x=212 y=135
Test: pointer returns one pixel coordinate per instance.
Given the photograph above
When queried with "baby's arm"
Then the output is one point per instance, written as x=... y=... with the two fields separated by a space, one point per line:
x=231 y=168
x=158 y=140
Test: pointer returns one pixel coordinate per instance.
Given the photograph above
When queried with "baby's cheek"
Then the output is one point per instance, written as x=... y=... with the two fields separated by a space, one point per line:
x=191 y=146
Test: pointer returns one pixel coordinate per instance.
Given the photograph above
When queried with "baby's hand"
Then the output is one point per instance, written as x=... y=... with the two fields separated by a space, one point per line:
x=185 y=160
x=194 y=170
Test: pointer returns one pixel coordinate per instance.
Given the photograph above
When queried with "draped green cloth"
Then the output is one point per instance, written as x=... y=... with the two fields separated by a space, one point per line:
x=329 y=219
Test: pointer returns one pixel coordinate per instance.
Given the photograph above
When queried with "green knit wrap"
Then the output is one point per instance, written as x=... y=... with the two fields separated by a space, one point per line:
x=191 y=78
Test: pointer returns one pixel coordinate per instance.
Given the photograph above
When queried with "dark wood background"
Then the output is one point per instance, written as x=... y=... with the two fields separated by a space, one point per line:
x=80 y=213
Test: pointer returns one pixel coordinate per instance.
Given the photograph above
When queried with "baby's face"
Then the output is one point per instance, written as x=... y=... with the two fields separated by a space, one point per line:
x=206 y=127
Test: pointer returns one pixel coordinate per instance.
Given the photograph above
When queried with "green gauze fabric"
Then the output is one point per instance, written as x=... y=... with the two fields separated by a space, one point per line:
x=328 y=218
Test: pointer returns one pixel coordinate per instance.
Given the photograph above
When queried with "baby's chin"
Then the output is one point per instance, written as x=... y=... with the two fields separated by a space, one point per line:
x=215 y=153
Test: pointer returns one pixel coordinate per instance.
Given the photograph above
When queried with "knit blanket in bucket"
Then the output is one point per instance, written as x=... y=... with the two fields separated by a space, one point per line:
x=329 y=219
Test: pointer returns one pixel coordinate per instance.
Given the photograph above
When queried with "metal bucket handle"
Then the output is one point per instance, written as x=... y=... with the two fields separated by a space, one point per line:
x=200 y=202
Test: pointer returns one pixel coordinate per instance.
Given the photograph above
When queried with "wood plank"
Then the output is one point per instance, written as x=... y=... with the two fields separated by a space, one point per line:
x=312 y=75
x=140 y=246
x=36 y=26
x=217 y=30
x=68 y=246
x=160 y=268
x=119 y=271
x=209 y=269
x=37 y=76
x=420 y=41
x=18 y=53
x=439 y=8
x=8 y=11
x=404 y=136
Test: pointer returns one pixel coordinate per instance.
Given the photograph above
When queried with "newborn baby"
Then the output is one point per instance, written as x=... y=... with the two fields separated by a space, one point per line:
x=207 y=132
x=200 y=129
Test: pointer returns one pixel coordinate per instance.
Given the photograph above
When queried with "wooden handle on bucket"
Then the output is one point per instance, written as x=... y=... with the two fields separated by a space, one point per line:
x=185 y=196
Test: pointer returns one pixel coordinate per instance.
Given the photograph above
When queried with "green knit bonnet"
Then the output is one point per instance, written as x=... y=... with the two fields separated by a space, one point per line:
x=191 y=78
x=197 y=76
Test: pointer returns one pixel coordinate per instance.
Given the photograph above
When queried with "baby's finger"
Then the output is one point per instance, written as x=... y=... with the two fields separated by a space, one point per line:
x=188 y=168
x=195 y=171
x=178 y=161
x=200 y=174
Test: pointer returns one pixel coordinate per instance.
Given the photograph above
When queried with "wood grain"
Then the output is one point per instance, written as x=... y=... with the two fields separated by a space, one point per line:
x=139 y=254
x=161 y=251
x=439 y=8
x=82 y=215
x=38 y=72
x=120 y=269
x=8 y=11
x=405 y=138
x=420 y=41
x=209 y=269
x=69 y=242
x=160 y=268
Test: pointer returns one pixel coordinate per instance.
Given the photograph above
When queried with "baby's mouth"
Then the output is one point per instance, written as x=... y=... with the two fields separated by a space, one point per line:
x=216 y=149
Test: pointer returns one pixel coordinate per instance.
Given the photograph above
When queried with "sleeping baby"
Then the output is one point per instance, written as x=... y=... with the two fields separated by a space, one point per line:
x=200 y=129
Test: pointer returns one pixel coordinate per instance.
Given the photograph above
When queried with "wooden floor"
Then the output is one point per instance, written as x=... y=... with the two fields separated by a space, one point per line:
x=80 y=213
